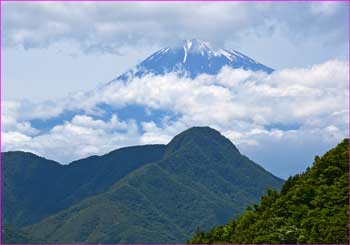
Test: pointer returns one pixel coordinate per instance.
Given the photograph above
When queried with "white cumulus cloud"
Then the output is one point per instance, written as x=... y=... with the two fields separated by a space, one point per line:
x=303 y=109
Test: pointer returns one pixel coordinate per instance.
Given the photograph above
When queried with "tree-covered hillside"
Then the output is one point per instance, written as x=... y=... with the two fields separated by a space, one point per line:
x=34 y=187
x=311 y=207
x=201 y=180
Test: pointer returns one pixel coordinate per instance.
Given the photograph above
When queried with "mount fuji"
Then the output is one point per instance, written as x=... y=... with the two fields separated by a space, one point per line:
x=192 y=58
x=189 y=59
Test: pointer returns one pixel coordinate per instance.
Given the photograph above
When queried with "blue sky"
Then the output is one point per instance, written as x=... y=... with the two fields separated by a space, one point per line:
x=55 y=55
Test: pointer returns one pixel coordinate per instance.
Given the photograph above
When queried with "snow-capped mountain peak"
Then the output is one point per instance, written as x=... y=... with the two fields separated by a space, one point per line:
x=196 y=45
x=192 y=58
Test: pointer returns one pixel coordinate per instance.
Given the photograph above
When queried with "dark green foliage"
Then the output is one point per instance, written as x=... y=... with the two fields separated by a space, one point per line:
x=13 y=235
x=310 y=208
x=34 y=187
x=27 y=178
x=202 y=180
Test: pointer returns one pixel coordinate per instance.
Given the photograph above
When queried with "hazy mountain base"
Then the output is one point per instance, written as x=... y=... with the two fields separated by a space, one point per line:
x=202 y=180
x=310 y=208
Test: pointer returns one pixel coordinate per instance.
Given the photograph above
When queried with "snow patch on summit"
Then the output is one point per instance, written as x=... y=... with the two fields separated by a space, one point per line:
x=192 y=58
x=227 y=54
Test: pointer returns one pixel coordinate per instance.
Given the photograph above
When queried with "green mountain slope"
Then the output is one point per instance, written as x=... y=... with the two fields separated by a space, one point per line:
x=34 y=187
x=201 y=181
x=13 y=235
x=310 y=208
x=27 y=178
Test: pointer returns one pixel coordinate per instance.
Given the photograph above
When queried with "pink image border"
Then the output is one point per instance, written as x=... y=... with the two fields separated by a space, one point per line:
x=165 y=1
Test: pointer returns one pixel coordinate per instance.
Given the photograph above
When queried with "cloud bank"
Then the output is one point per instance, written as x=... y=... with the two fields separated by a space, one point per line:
x=280 y=120
x=108 y=27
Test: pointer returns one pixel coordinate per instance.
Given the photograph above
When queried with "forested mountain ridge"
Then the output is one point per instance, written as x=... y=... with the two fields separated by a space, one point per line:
x=200 y=180
x=311 y=207
x=34 y=187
